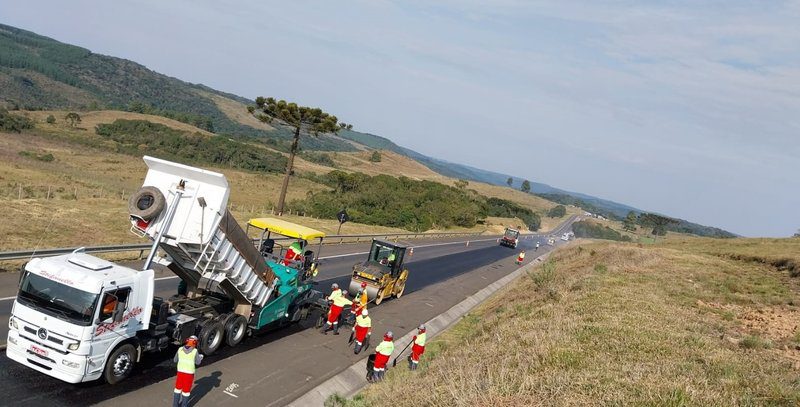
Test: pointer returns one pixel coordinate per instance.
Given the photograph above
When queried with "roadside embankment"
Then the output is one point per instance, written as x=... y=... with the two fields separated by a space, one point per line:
x=615 y=323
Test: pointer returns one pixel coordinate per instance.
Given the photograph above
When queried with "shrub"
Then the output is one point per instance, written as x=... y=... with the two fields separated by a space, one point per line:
x=51 y=119
x=13 y=122
x=597 y=231
x=375 y=157
x=557 y=211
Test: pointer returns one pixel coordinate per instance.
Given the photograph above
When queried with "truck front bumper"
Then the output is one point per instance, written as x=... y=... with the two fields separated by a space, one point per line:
x=69 y=368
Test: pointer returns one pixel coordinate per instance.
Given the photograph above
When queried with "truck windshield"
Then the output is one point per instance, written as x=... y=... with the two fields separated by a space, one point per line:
x=57 y=299
x=511 y=234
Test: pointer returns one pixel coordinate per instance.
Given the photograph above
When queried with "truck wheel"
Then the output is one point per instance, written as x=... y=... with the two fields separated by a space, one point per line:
x=147 y=203
x=210 y=337
x=235 y=329
x=320 y=321
x=120 y=364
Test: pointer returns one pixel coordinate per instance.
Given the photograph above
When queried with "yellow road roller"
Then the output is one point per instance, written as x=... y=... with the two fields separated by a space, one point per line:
x=383 y=272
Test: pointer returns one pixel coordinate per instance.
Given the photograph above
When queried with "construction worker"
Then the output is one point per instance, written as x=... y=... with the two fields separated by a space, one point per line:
x=521 y=257
x=359 y=303
x=390 y=259
x=537 y=246
x=382 y=354
x=418 y=348
x=361 y=330
x=293 y=253
x=187 y=358
x=338 y=303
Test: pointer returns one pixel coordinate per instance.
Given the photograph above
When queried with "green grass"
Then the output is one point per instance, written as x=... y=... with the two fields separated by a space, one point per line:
x=628 y=325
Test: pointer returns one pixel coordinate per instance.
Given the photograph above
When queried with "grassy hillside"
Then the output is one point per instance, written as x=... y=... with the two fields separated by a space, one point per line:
x=619 y=324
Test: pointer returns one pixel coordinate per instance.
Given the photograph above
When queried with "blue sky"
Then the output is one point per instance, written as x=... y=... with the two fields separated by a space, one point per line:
x=687 y=108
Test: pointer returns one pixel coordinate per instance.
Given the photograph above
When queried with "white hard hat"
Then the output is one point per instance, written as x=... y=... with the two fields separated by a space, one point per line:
x=334 y=286
x=364 y=312
x=421 y=327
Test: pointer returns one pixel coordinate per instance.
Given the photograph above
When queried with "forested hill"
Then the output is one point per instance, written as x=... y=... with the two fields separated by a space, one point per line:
x=39 y=73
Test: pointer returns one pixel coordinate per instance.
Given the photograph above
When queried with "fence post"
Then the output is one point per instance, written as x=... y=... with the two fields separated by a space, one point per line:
x=48 y=193
x=76 y=193
x=20 y=192
x=122 y=195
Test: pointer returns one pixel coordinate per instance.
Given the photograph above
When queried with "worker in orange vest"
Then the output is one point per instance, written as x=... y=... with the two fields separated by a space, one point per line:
x=382 y=354
x=338 y=301
x=521 y=257
x=359 y=303
x=418 y=348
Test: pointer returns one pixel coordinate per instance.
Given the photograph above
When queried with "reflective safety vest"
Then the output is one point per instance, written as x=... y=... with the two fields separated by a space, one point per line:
x=341 y=301
x=420 y=341
x=364 y=322
x=522 y=255
x=385 y=348
x=335 y=293
x=186 y=361
x=391 y=256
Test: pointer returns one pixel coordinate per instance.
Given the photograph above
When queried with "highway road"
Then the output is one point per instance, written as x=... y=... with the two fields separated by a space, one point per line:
x=273 y=368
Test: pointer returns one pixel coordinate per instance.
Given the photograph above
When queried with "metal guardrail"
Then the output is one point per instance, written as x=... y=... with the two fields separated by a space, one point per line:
x=141 y=247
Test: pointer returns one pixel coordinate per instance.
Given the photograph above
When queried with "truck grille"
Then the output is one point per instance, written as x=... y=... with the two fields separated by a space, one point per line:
x=50 y=338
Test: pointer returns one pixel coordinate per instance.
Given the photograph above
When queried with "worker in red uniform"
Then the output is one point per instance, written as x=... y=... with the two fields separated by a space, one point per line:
x=521 y=257
x=187 y=359
x=417 y=348
x=361 y=330
x=294 y=253
x=382 y=354
x=338 y=301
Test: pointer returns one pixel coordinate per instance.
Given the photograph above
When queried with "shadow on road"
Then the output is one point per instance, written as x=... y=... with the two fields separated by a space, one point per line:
x=203 y=386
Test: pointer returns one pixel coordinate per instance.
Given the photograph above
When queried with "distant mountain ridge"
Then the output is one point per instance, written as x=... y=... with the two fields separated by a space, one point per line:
x=38 y=73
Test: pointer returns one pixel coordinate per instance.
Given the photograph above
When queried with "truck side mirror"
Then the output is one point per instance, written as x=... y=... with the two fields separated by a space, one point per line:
x=119 y=311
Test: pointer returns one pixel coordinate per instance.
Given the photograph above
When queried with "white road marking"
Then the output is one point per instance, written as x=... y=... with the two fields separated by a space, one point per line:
x=230 y=394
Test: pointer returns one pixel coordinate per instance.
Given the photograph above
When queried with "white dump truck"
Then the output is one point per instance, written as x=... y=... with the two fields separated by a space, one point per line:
x=80 y=318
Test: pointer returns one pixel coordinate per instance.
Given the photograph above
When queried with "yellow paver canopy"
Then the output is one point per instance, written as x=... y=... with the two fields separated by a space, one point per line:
x=285 y=228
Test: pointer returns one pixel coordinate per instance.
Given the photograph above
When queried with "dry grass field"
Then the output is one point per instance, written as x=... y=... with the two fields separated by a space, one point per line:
x=621 y=324
x=91 y=119
x=80 y=196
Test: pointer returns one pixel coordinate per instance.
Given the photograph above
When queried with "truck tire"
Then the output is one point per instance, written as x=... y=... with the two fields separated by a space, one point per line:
x=235 y=329
x=120 y=364
x=210 y=337
x=147 y=203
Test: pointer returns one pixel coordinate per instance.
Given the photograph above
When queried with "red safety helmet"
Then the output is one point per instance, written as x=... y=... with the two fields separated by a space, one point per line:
x=388 y=336
x=364 y=285
x=191 y=341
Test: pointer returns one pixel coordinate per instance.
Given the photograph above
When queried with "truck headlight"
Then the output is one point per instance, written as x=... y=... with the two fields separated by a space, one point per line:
x=12 y=340
x=13 y=323
x=74 y=346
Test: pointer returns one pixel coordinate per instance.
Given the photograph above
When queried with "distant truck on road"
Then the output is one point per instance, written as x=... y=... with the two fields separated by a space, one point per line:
x=510 y=238
x=80 y=318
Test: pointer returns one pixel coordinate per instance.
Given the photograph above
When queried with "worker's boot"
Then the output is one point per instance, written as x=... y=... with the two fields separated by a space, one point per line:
x=357 y=348
x=336 y=329
x=176 y=399
x=184 y=401
x=410 y=363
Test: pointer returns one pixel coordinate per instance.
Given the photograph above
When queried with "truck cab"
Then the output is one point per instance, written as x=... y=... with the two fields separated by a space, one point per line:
x=73 y=311
x=510 y=238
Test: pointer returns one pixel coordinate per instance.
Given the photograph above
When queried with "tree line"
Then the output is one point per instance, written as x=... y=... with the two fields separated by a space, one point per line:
x=140 y=136
x=405 y=203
